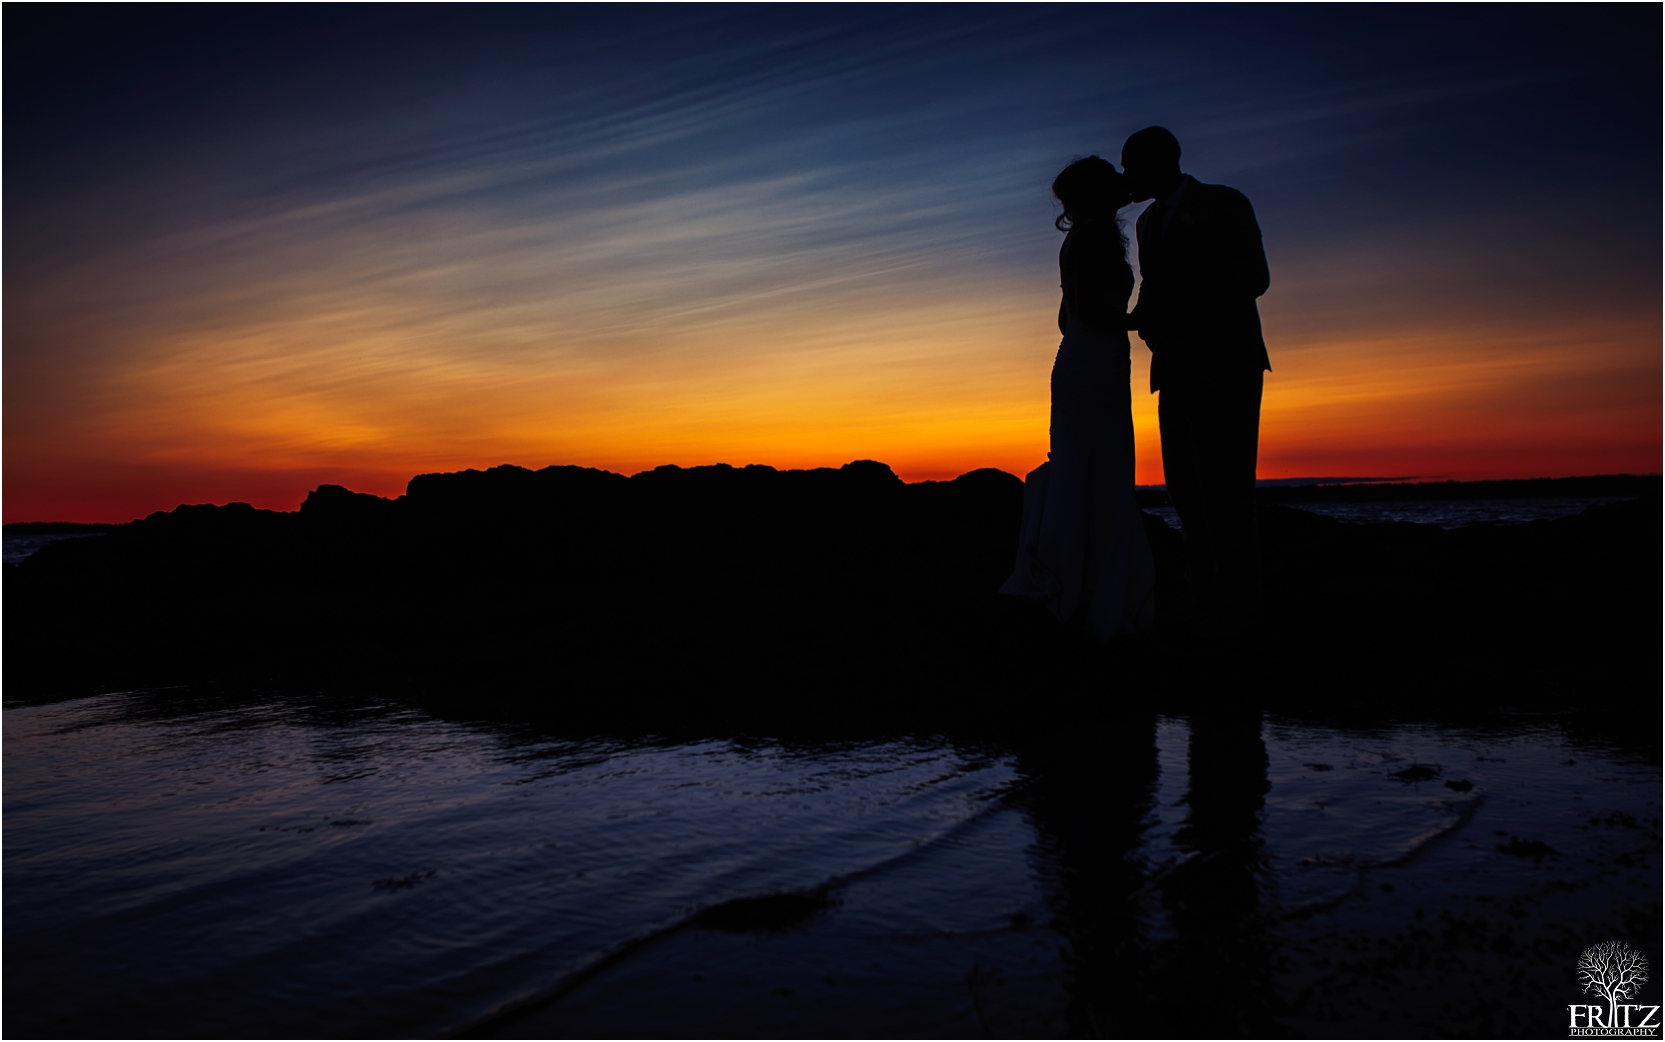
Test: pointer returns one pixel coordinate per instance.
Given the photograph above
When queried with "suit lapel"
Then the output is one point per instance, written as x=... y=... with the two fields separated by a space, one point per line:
x=1184 y=215
x=1153 y=215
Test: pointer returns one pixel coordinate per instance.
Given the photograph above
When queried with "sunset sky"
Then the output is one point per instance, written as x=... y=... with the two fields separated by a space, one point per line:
x=249 y=251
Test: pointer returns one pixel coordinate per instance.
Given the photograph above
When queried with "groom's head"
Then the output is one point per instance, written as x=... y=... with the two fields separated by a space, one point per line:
x=1150 y=158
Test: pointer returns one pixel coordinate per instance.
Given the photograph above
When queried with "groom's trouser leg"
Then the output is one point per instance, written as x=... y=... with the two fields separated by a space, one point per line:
x=1240 y=451
x=1210 y=445
x=1175 y=415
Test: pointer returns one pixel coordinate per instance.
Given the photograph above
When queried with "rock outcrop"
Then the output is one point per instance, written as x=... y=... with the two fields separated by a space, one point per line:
x=817 y=590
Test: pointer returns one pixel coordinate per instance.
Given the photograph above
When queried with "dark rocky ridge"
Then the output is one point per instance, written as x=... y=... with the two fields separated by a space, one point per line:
x=688 y=591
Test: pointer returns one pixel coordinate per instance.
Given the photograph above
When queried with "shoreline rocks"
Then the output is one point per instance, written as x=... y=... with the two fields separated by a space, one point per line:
x=810 y=593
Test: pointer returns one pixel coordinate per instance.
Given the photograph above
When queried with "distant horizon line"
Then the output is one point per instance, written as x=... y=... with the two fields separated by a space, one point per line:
x=1414 y=479
x=1259 y=483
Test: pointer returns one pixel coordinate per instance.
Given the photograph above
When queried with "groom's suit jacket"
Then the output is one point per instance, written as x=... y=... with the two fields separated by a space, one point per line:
x=1201 y=266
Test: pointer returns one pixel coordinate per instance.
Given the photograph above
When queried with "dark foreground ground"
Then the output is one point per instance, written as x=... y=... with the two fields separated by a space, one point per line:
x=718 y=590
x=815 y=606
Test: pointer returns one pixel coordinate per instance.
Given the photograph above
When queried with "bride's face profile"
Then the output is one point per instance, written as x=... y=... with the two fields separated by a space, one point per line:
x=1089 y=189
x=1111 y=196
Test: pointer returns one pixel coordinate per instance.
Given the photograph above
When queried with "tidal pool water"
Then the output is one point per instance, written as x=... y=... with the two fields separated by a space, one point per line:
x=187 y=864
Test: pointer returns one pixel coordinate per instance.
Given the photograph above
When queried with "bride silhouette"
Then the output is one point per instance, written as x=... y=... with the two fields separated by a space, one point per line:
x=1082 y=550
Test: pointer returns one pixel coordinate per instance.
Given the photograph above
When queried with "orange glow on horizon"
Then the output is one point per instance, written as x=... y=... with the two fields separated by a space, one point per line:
x=932 y=393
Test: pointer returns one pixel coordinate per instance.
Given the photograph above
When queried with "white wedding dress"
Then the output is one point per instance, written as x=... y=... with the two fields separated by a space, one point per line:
x=1082 y=549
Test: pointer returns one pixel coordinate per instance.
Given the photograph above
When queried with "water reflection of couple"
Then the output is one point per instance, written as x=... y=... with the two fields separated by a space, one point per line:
x=1083 y=549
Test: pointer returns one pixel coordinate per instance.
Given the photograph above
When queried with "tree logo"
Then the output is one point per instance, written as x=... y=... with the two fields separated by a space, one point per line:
x=1613 y=970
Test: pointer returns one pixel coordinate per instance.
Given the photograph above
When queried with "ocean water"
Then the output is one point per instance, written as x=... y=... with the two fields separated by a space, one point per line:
x=18 y=547
x=182 y=863
x=1446 y=513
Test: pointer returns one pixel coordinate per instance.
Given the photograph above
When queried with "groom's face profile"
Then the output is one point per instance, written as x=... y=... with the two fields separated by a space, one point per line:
x=1136 y=178
x=1150 y=161
x=1145 y=174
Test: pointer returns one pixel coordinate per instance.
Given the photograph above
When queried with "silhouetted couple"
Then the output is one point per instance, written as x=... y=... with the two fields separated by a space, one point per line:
x=1083 y=549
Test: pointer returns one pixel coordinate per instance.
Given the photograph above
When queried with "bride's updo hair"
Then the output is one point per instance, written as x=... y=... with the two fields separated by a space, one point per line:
x=1088 y=188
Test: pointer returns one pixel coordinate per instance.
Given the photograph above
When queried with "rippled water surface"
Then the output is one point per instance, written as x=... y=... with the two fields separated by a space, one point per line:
x=307 y=866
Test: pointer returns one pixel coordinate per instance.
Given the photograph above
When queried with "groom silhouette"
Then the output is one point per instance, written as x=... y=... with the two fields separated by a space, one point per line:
x=1201 y=267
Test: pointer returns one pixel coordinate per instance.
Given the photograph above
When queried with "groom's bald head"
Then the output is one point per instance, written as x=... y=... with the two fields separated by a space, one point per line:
x=1150 y=158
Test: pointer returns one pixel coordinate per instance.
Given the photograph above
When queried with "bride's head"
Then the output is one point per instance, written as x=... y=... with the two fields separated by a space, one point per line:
x=1089 y=189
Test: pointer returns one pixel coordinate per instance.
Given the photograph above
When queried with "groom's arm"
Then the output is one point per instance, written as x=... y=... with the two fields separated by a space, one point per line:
x=1137 y=316
x=1243 y=271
